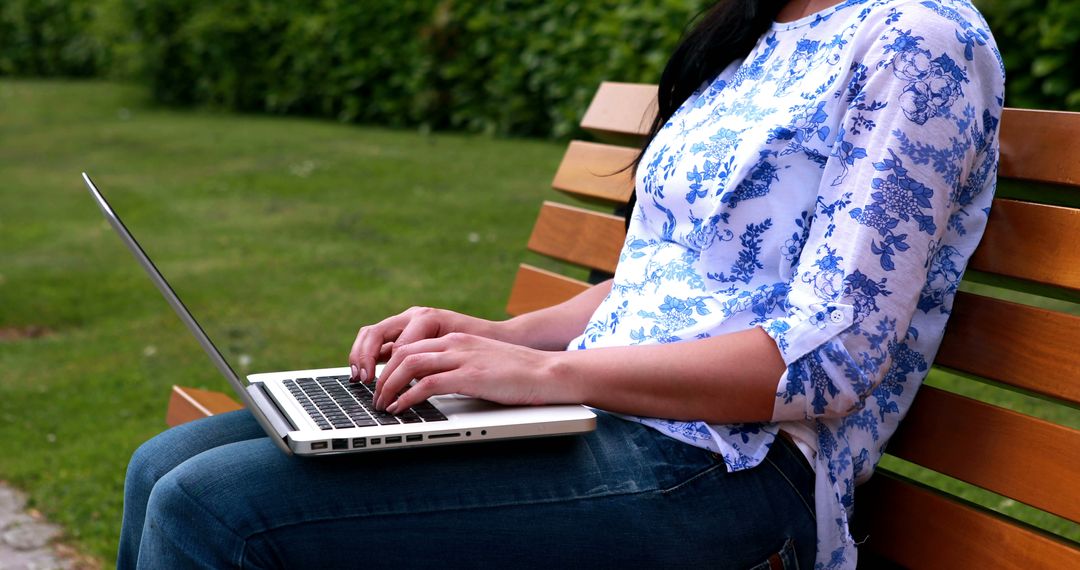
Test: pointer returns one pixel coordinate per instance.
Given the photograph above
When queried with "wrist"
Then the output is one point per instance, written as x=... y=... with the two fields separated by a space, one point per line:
x=517 y=331
x=511 y=331
x=468 y=324
x=563 y=378
x=494 y=330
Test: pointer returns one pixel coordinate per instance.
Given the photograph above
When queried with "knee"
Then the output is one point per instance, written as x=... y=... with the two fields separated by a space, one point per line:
x=189 y=495
x=169 y=501
x=168 y=449
x=150 y=462
x=182 y=529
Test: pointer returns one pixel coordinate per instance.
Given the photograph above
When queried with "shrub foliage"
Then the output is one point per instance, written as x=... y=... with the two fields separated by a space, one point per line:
x=1040 y=43
x=499 y=66
x=48 y=37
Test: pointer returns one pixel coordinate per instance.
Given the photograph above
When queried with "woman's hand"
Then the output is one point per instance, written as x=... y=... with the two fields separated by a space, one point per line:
x=470 y=365
x=502 y=361
x=375 y=343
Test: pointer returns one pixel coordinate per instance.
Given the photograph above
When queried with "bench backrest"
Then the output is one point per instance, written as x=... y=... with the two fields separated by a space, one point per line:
x=1027 y=248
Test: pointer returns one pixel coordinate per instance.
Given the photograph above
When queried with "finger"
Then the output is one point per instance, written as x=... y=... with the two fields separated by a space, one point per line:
x=367 y=347
x=415 y=366
x=426 y=324
x=400 y=351
x=385 y=352
x=447 y=342
x=447 y=382
x=406 y=363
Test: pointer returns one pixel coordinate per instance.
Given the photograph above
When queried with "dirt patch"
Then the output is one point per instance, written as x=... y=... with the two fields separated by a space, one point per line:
x=75 y=560
x=9 y=334
x=28 y=541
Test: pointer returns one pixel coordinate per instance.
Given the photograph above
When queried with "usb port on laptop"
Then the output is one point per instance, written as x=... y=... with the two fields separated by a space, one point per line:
x=417 y=437
x=394 y=439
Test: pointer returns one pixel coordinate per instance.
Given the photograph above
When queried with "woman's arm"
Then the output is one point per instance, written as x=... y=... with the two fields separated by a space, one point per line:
x=552 y=328
x=725 y=379
x=729 y=378
x=547 y=329
x=890 y=192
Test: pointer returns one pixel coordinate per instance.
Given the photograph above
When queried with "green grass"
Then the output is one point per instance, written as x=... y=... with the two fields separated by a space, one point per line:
x=283 y=235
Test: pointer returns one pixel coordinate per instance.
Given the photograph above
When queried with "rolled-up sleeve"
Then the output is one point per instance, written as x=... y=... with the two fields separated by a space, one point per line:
x=915 y=145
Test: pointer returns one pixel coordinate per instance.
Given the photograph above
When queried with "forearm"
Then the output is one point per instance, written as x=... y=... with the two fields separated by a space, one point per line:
x=726 y=379
x=552 y=328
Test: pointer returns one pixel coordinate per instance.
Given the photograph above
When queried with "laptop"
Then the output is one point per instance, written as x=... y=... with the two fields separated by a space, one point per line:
x=319 y=412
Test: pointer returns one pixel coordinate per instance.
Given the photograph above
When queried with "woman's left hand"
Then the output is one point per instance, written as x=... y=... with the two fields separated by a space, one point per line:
x=470 y=365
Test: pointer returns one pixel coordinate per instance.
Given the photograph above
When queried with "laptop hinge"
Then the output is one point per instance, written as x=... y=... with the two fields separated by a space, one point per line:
x=278 y=420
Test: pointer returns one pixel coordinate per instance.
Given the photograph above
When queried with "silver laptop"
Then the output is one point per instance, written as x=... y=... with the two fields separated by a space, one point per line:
x=317 y=412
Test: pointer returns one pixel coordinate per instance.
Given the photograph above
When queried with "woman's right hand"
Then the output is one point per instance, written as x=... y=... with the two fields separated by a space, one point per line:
x=545 y=329
x=375 y=343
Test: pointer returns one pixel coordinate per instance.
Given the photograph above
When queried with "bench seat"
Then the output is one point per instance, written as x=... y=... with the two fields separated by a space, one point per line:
x=1027 y=248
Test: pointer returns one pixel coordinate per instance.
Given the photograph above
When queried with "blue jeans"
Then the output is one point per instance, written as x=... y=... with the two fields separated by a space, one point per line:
x=216 y=493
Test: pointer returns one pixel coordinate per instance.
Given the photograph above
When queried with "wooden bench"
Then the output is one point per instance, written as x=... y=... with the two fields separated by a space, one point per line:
x=1025 y=348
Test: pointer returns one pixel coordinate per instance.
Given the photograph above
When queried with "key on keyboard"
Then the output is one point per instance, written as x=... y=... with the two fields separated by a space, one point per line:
x=334 y=403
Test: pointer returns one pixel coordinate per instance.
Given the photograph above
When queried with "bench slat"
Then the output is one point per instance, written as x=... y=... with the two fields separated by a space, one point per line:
x=621 y=111
x=187 y=404
x=1018 y=456
x=1027 y=347
x=579 y=236
x=594 y=172
x=536 y=288
x=1019 y=242
x=920 y=528
x=1030 y=241
x=1022 y=240
x=1035 y=145
x=1041 y=146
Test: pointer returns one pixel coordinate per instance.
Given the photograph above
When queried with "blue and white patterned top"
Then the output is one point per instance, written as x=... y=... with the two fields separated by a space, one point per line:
x=830 y=189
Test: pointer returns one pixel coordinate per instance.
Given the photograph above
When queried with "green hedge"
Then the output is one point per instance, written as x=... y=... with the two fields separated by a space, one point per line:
x=499 y=66
x=1040 y=42
x=48 y=37
x=67 y=38
x=507 y=67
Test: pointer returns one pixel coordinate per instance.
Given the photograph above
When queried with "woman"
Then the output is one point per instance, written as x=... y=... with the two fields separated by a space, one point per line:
x=806 y=204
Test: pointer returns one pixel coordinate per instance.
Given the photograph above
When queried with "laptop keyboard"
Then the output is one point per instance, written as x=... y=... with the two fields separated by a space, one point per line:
x=335 y=403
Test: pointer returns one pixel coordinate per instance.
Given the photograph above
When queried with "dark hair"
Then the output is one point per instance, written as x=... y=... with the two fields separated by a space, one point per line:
x=723 y=33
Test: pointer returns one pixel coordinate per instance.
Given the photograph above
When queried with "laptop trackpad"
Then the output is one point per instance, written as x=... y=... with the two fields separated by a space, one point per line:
x=458 y=404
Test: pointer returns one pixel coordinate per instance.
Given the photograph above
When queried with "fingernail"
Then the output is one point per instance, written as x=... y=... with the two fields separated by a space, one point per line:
x=353 y=372
x=363 y=375
x=392 y=408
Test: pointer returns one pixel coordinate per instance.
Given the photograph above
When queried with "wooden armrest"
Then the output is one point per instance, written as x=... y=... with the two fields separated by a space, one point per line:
x=186 y=404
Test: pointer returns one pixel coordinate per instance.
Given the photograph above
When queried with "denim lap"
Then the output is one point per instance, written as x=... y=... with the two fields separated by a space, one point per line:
x=621 y=495
x=160 y=455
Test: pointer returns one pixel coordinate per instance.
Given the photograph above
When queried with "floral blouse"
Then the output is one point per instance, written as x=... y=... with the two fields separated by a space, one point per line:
x=830 y=189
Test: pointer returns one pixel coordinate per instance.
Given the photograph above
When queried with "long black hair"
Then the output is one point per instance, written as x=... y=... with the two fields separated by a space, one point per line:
x=723 y=33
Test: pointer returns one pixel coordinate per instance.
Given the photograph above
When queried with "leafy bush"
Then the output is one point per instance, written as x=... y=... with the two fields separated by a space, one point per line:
x=66 y=38
x=502 y=66
x=48 y=37
x=499 y=66
x=534 y=70
x=1040 y=42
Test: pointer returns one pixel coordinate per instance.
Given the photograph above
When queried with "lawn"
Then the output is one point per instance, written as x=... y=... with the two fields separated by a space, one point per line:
x=283 y=235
